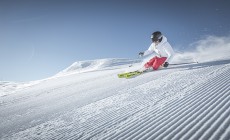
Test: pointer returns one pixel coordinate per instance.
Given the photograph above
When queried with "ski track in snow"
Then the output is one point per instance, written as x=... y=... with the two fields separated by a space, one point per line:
x=182 y=102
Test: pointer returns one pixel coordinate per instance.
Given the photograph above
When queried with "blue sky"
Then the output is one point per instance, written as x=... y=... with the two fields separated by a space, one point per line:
x=39 y=38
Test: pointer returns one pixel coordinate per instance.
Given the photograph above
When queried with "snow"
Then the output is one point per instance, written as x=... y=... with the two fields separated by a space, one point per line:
x=94 y=65
x=88 y=101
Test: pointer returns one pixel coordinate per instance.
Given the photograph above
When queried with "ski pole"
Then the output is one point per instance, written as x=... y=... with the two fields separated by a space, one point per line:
x=184 y=63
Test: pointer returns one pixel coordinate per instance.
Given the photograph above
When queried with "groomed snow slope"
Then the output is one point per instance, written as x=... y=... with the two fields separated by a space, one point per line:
x=181 y=102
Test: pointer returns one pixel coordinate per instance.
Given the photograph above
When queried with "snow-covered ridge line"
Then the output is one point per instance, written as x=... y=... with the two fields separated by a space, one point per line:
x=98 y=64
x=7 y=87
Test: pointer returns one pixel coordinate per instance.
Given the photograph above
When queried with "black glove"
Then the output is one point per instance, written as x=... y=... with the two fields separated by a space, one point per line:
x=141 y=54
x=165 y=64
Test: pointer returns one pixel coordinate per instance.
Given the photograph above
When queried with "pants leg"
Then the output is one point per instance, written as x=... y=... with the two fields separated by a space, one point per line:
x=155 y=62
x=158 y=62
x=150 y=62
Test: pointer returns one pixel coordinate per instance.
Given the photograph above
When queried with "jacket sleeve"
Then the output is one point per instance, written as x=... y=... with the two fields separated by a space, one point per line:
x=149 y=51
x=170 y=52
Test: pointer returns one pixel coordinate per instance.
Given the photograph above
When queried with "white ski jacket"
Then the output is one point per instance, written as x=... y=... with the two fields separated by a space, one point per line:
x=163 y=49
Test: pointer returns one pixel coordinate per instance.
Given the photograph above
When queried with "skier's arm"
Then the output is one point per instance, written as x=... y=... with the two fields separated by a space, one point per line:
x=149 y=51
x=170 y=53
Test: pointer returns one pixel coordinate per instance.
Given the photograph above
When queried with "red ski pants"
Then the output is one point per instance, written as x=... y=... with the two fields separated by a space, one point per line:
x=155 y=62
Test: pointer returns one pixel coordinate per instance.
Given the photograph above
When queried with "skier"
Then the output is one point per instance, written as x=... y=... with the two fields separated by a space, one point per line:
x=162 y=48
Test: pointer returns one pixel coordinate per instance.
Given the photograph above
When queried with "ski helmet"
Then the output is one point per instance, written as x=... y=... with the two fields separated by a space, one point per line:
x=156 y=36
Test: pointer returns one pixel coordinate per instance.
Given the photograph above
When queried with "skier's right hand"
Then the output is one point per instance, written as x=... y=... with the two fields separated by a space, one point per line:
x=141 y=54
